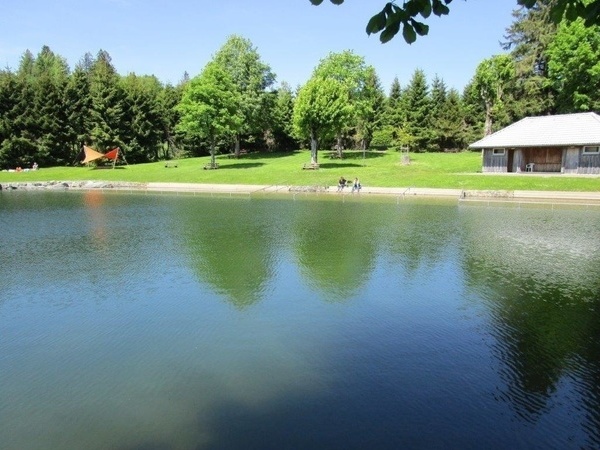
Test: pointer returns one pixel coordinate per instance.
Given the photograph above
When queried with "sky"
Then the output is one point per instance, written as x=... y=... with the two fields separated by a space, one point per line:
x=170 y=37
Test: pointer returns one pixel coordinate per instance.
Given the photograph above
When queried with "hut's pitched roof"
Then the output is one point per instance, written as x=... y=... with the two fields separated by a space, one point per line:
x=546 y=131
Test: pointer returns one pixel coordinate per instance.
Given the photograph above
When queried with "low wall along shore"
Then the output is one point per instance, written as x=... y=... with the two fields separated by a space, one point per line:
x=463 y=195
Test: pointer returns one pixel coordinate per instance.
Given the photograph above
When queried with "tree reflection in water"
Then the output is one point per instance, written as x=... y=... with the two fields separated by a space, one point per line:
x=537 y=271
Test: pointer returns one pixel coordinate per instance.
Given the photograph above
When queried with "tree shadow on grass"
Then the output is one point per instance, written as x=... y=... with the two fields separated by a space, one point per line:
x=108 y=167
x=241 y=165
x=338 y=165
x=354 y=155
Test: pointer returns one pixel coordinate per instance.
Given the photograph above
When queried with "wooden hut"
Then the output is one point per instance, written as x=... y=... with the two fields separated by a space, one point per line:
x=565 y=143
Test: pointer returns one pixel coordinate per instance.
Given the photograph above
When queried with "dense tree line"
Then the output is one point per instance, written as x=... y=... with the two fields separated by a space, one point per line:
x=48 y=111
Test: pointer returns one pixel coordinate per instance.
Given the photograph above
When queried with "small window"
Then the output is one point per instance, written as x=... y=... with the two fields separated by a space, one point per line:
x=498 y=151
x=591 y=150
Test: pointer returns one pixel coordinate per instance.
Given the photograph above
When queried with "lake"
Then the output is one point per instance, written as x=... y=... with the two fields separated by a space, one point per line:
x=132 y=321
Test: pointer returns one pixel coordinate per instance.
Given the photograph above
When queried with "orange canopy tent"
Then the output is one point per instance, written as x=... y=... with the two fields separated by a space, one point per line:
x=91 y=155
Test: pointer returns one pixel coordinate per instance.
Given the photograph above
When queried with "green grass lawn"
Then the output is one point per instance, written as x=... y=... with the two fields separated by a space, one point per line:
x=383 y=169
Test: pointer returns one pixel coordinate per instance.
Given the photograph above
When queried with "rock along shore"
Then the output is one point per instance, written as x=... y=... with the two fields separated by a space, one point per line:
x=404 y=192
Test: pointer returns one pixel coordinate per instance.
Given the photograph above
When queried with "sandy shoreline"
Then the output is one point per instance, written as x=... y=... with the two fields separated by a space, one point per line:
x=506 y=195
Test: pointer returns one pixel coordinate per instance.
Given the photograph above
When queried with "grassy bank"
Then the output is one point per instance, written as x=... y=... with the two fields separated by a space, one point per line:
x=384 y=169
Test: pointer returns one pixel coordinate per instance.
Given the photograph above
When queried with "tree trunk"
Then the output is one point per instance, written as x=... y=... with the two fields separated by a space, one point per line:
x=313 y=147
x=213 y=153
x=237 y=146
x=487 y=128
x=339 y=145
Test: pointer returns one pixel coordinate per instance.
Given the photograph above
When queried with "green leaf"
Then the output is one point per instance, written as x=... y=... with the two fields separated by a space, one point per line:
x=592 y=14
x=408 y=32
x=439 y=9
x=337 y=2
x=527 y=3
x=426 y=10
x=316 y=2
x=557 y=12
x=389 y=32
x=420 y=28
x=571 y=13
x=376 y=24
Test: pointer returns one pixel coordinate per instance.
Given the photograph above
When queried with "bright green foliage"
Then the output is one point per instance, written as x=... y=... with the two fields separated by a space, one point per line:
x=321 y=109
x=351 y=72
x=251 y=77
x=393 y=17
x=209 y=107
x=492 y=78
x=574 y=67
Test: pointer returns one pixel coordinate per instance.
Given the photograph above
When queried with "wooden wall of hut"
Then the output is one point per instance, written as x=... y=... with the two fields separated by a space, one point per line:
x=545 y=159
x=589 y=163
x=571 y=160
x=494 y=163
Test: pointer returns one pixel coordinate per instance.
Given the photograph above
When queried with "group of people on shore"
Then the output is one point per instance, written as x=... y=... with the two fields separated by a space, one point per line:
x=34 y=166
x=342 y=183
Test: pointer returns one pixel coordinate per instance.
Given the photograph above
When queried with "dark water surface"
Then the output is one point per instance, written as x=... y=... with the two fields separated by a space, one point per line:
x=177 y=322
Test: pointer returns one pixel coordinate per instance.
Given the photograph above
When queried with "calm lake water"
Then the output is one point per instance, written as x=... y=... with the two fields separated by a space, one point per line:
x=130 y=321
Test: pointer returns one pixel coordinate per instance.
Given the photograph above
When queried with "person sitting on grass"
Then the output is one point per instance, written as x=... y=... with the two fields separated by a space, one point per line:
x=341 y=183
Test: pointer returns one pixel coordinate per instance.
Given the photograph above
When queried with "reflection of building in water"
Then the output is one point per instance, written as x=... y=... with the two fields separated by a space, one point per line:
x=534 y=269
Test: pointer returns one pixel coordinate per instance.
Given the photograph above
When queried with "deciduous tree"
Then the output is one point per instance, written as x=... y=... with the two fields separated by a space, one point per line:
x=491 y=80
x=251 y=77
x=209 y=107
x=350 y=70
x=321 y=109
x=574 y=67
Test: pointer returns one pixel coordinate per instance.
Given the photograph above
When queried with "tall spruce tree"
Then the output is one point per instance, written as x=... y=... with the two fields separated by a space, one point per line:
x=281 y=118
x=50 y=80
x=438 y=98
x=450 y=124
x=78 y=104
x=370 y=109
x=418 y=117
x=107 y=104
x=474 y=112
x=170 y=96
x=143 y=113
x=528 y=38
